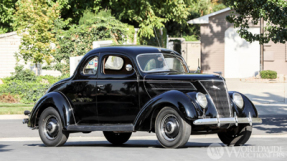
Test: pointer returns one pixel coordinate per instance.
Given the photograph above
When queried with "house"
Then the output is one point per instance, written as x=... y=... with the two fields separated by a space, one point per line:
x=222 y=49
x=9 y=45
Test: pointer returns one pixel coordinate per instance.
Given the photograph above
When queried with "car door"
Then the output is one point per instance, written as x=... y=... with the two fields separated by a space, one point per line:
x=82 y=91
x=117 y=95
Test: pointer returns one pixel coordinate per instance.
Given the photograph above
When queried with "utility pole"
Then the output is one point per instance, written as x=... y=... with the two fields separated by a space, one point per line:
x=261 y=45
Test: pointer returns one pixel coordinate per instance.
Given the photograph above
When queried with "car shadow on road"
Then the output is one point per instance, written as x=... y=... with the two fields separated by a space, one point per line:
x=132 y=144
x=3 y=146
x=273 y=124
x=268 y=99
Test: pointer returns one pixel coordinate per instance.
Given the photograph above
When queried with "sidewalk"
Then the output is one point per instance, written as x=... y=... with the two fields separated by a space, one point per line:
x=12 y=117
x=260 y=93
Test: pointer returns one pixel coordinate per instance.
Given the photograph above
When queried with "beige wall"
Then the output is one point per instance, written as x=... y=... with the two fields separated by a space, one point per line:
x=9 y=44
x=278 y=53
x=212 y=47
x=212 y=44
x=191 y=54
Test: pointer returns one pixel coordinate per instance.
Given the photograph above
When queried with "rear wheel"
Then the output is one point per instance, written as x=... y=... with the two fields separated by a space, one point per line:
x=236 y=136
x=117 y=138
x=171 y=130
x=51 y=129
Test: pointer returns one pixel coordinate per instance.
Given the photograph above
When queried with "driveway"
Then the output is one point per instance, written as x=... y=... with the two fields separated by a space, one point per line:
x=260 y=93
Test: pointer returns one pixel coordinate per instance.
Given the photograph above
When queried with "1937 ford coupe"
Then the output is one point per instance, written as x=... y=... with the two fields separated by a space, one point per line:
x=124 y=89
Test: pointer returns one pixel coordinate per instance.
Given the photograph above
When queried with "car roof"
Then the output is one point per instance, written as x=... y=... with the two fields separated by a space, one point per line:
x=132 y=50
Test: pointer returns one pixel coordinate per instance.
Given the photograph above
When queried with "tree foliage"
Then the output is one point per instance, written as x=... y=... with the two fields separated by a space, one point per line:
x=34 y=20
x=149 y=14
x=274 y=12
x=196 y=8
x=7 y=9
x=145 y=14
x=78 y=40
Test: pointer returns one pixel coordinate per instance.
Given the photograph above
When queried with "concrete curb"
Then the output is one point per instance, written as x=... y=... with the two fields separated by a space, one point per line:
x=12 y=117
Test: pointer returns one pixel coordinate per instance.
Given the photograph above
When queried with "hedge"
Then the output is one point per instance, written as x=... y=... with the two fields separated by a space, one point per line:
x=268 y=74
x=25 y=86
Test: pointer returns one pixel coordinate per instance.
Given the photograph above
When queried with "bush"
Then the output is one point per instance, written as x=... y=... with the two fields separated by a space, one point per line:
x=24 y=86
x=268 y=74
x=23 y=74
x=27 y=91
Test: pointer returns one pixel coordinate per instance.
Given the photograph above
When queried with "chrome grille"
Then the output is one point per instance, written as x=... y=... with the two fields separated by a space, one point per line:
x=218 y=93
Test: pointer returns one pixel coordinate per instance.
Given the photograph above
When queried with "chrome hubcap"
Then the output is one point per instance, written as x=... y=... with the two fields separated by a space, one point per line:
x=169 y=127
x=51 y=128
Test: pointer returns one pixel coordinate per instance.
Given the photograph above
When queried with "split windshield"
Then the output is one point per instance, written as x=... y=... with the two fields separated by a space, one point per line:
x=158 y=62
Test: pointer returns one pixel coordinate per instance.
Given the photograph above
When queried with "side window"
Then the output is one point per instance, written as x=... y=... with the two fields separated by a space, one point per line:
x=91 y=67
x=116 y=65
x=151 y=64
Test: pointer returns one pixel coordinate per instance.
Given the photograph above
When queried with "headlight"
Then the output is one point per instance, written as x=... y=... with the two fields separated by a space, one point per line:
x=201 y=99
x=238 y=100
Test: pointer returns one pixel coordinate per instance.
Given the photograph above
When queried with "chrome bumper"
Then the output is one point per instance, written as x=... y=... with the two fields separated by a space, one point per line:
x=233 y=120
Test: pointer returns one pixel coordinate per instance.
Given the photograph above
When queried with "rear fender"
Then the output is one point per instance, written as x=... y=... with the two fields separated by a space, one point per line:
x=56 y=100
x=175 y=99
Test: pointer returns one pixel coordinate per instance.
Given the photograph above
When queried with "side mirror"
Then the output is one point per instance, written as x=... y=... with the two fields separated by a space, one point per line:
x=129 y=67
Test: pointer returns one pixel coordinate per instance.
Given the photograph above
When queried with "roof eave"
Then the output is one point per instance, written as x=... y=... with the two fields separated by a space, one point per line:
x=205 y=19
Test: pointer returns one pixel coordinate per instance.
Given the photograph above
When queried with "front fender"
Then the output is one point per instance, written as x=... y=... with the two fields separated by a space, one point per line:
x=247 y=108
x=56 y=100
x=176 y=99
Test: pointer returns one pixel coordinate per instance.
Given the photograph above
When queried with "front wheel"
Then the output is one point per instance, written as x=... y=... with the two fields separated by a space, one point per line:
x=117 y=138
x=171 y=130
x=51 y=129
x=236 y=136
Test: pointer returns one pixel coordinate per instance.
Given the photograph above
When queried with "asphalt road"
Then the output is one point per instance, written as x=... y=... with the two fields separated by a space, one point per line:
x=146 y=148
x=268 y=142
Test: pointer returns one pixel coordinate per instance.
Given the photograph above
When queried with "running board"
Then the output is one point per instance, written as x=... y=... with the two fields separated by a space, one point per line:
x=101 y=127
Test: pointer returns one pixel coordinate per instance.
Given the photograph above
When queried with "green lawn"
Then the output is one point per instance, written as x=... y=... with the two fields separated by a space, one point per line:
x=13 y=110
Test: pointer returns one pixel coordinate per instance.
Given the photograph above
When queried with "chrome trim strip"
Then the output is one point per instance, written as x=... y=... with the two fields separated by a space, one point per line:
x=213 y=80
x=173 y=89
x=172 y=82
x=167 y=81
x=232 y=120
x=228 y=98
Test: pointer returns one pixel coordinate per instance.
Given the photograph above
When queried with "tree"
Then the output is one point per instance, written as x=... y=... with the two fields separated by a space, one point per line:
x=149 y=14
x=146 y=14
x=34 y=20
x=196 y=8
x=78 y=40
x=7 y=9
x=274 y=12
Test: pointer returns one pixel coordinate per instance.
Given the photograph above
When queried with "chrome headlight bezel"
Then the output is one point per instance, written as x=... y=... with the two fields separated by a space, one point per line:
x=238 y=100
x=201 y=100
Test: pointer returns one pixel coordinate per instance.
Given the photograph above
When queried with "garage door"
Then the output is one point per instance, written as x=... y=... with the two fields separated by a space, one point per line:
x=242 y=59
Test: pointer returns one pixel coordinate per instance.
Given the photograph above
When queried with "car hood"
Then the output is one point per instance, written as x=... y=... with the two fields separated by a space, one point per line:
x=181 y=76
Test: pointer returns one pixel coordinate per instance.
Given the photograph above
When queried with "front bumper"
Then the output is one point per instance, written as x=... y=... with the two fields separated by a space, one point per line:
x=232 y=120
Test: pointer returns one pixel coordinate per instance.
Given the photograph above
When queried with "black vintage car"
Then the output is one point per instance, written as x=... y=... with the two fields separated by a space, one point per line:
x=124 y=89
